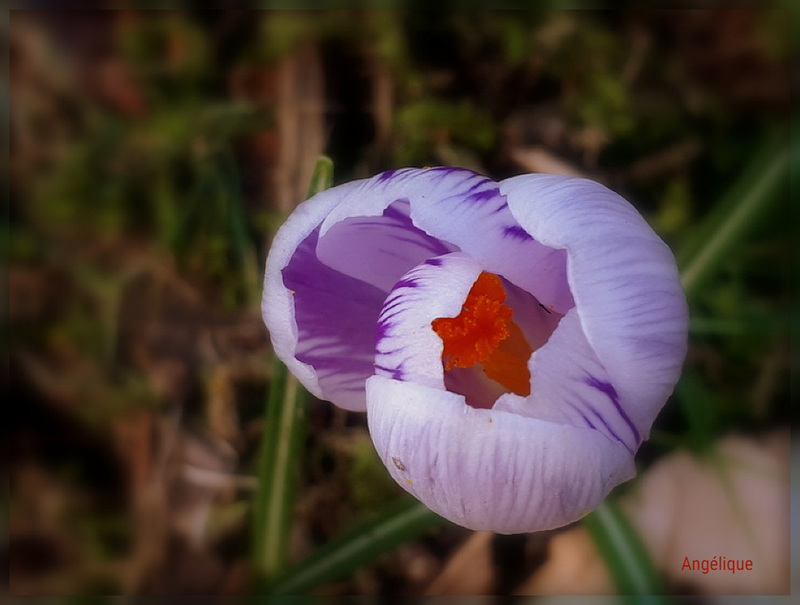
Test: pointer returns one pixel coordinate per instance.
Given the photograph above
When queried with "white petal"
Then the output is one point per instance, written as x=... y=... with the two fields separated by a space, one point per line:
x=624 y=282
x=487 y=469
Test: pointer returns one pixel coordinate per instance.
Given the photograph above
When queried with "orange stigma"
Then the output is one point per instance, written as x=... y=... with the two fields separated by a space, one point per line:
x=485 y=333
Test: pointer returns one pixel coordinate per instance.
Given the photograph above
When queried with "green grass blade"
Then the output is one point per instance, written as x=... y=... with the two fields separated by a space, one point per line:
x=627 y=559
x=727 y=224
x=280 y=449
x=322 y=177
x=402 y=521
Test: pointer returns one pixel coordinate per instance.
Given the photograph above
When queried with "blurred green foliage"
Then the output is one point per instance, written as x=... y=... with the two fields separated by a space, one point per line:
x=424 y=124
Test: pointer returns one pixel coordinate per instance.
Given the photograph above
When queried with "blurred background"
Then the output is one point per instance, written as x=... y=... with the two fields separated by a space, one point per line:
x=154 y=153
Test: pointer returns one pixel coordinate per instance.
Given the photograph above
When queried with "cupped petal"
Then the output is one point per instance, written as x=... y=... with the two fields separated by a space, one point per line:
x=624 y=281
x=460 y=208
x=378 y=249
x=321 y=323
x=488 y=469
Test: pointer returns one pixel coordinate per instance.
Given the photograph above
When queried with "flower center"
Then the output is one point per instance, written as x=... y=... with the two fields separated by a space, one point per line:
x=484 y=333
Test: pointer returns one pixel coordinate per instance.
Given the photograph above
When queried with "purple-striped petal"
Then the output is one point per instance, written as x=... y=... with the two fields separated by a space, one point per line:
x=489 y=469
x=571 y=386
x=625 y=283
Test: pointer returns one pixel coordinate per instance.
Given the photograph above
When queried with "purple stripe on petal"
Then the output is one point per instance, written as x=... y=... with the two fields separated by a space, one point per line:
x=386 y=175
x=385 y=319
x=450 y=170
x=484 y=196
x=587 y=406
x=395 y=373
x=382 y=329
x=406 y=283
x=475 y=186
x=587 y=421
x=516 y=232
x=608 y=389
x=390 y=306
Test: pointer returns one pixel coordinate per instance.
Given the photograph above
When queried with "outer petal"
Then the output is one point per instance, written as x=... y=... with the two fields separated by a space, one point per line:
x=624 y=282
x=338 y=312
x=487 y=469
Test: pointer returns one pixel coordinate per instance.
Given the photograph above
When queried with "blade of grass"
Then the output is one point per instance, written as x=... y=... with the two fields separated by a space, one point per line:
x=402 y=521
x=727 y=224
x=627 y=559
x=280 y=448
x=281 y=444
x=322 y=177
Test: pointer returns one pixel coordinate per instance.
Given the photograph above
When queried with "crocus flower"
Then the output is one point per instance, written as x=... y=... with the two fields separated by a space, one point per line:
x=511 y=342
